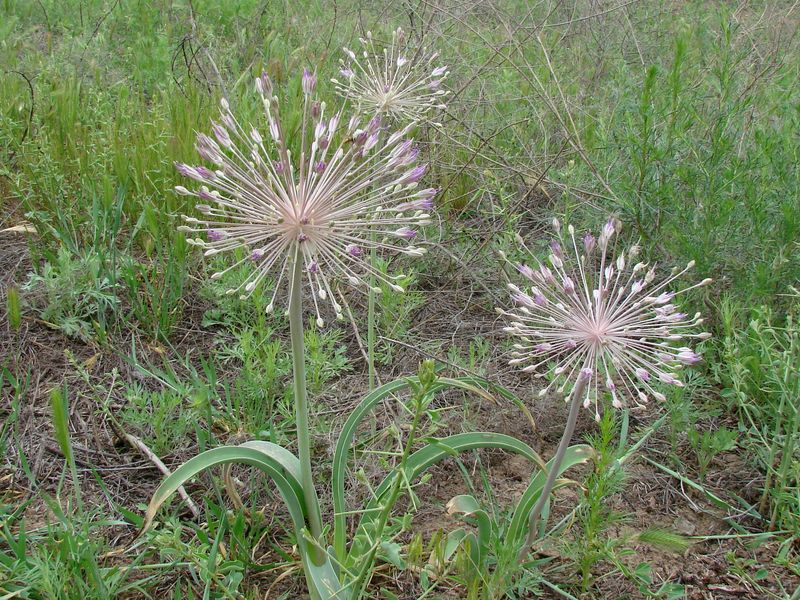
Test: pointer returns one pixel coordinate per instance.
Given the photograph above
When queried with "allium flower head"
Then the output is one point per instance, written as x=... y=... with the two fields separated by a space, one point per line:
x=598 y=310
x=395 y=80
x=352 y=187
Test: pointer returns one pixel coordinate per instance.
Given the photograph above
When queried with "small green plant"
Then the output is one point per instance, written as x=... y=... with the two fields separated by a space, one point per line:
x=79 y=297
x=476 y=357
x=594 y=514
x=326 y=356
x=164 y=418
x=709 y=444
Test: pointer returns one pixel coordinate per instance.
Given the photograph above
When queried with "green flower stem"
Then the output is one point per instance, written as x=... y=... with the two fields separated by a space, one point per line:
x=555 y=464
x=301 y=405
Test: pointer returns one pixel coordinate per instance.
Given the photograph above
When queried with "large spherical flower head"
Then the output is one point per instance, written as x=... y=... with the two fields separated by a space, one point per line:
x=395 y=80
x=600 y=311
x=354 y=186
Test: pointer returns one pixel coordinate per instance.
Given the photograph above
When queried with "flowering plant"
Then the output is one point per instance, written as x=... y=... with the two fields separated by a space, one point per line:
x=308 y=218
x=598 y=319
x=397 y=80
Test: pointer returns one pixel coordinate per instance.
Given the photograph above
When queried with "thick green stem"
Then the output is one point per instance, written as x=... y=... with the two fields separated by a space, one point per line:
x=301 y=406
x=555 y=464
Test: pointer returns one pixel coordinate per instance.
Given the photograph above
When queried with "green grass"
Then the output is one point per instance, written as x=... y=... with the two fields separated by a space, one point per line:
x=680 y=118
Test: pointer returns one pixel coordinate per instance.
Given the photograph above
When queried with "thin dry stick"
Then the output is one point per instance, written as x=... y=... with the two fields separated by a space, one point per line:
x=137 y=444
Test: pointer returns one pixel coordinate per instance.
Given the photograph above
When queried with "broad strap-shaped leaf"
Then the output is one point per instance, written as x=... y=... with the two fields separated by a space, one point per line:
x=474 y=385
x=283 y=468
x=575 y=455
x=433 y=453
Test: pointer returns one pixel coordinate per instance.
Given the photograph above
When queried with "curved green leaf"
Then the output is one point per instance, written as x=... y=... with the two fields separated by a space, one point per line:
x=575 y=455
x=437 y=451
x=344 y=443
x=283 y=468
x=468 y=505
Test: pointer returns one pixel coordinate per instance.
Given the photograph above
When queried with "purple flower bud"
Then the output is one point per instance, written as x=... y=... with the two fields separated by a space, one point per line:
x=643 y=374
x=526 y=271
x=401 y=60
x=570 y=344
x=586 y=374
x=319 y=167
x=438 y=71
x=415 y=174
x=360 y=137
x=435 y=84
x=323 y=143
x=556 y=248
x=569 y=286
x=316 y=109
x=205 y=174
x=374 y=124
x=406 y=232
x=309 y=82
x=264 y=84
x=354 y=251
x=204 y=194
x=371 y=141
x=588 y=243
x=347 y=73
x=664 y=297
x=313 y=267
x=279 y=168
x=546 y=275
x=523 y=299
x=215 y=235
x=543 y=347
x=669 y=379
x=222 y=135
x=302 y=237
x=257 y=255
x=688 y=357
x=183 y=169
x=676 y=317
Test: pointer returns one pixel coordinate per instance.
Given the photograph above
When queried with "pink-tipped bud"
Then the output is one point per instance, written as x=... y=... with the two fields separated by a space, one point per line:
x=526 y=271
x=406 y=232
x=309 y=82
x=354 y=251
x=588 y=243
x=569 y=286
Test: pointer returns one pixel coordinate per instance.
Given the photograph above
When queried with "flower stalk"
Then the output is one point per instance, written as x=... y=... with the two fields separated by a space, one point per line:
x=575 y=403
x=301 y=404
